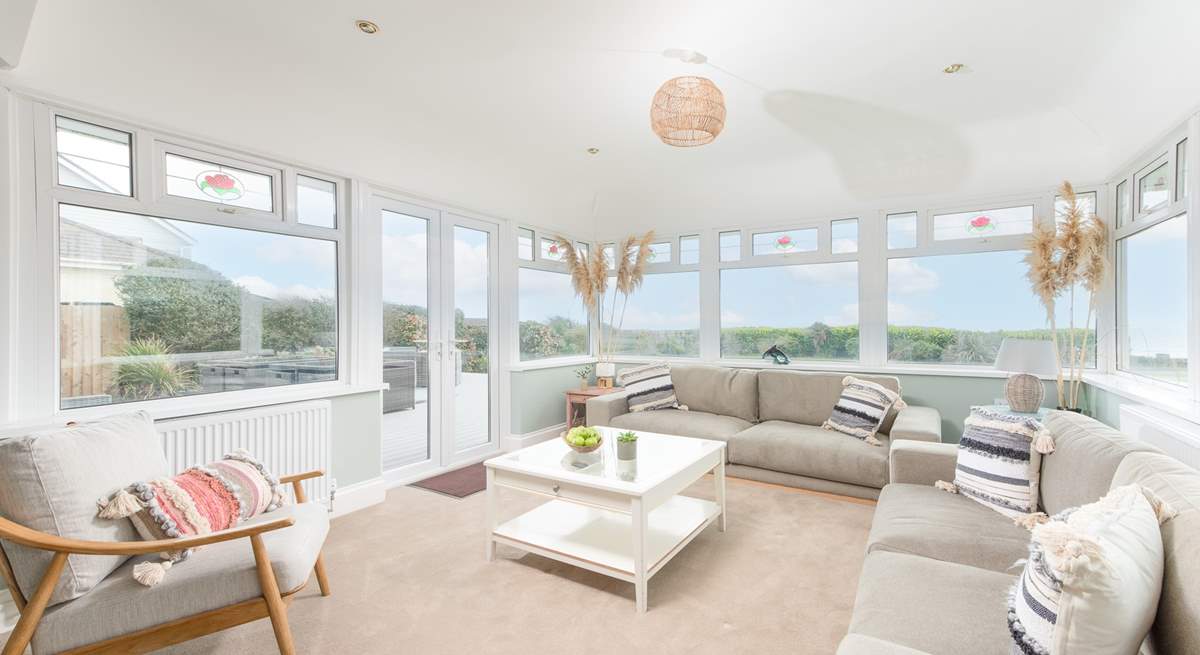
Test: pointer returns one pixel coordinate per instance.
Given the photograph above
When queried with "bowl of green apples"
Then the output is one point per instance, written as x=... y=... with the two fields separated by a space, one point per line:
x=583 y=439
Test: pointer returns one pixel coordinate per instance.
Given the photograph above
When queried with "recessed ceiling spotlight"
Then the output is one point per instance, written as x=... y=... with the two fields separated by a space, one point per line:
x=954 y=69
x=593 y=151
x=685 y=55
x=367 y=27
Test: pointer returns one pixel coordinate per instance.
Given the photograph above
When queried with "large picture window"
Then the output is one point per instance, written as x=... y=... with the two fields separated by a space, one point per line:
x=661 y=318
x=153 y=307
x=553 y=322
x=1152 y=311
x=956 y=309
x=810 y=311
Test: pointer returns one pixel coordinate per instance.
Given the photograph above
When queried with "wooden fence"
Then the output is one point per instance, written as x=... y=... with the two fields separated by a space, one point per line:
x=89 y=334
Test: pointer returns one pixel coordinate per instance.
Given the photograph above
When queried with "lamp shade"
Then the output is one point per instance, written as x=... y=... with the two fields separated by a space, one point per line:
x=687 y=111
x=1033 y=356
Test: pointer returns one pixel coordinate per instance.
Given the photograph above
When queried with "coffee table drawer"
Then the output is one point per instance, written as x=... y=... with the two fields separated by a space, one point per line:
x=564 y=490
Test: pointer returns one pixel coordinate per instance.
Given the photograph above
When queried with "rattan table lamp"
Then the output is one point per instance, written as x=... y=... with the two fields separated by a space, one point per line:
x=1027 y=360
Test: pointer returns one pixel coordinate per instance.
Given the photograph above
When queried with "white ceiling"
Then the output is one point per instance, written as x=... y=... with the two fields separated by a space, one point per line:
x=833 y=107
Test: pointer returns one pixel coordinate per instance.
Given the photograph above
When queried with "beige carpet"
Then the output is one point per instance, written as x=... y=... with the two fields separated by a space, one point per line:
x=409 y=576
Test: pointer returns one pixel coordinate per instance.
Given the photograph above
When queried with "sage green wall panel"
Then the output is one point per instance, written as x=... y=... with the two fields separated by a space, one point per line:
x=357 y=424
x=537 y=397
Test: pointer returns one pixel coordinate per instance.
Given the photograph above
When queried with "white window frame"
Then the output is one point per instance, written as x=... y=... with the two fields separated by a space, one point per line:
x=822 y=255
x=36 y=395
x=540 y=264
x=1164 y=151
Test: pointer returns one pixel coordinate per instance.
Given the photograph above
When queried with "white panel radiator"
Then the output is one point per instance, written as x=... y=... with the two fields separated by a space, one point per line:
x=291 y=438
x=1176 y=437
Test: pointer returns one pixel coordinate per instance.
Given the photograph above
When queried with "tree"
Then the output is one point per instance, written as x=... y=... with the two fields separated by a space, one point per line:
x=297 y=324
x=187 y=313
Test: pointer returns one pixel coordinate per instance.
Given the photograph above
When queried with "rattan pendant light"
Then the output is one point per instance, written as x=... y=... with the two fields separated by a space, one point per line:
x=687 y=111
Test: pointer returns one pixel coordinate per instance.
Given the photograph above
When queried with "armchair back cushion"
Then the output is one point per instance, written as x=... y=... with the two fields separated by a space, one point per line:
x=717 y=390
x=809 y=398
x=50 y=481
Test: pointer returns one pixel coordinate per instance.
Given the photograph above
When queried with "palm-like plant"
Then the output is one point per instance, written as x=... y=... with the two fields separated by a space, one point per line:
x=1062 y=258
x=149 y=372
x=590 y=278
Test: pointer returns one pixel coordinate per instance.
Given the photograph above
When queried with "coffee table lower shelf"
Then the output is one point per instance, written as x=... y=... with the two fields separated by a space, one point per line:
x=601 y=540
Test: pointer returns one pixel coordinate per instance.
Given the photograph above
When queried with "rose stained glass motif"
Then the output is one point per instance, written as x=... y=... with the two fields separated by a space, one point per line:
x=981 y=224
x=784 y=242
x=220 y=186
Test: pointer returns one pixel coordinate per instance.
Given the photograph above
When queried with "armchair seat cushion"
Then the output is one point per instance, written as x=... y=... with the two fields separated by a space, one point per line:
x=926 y=521
x=813 y=452
x=214 y=576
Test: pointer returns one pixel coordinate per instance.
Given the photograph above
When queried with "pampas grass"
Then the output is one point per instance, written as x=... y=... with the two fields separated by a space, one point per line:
x=589 y=277
x=1073 y=253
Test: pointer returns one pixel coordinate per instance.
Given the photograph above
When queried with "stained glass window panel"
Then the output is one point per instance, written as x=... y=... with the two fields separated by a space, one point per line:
x=551 y=251
x=225 y=185
x=660 y=253
x=1005 y=221
x=93 y=157
x=784 y=242
x=845 y=236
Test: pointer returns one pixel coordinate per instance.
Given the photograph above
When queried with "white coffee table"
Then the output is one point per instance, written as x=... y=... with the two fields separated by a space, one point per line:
x=624 y=519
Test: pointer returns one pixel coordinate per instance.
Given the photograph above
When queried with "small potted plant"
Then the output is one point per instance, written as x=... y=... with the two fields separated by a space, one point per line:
x=627 y=445
x=583 y=439
x=584 y=373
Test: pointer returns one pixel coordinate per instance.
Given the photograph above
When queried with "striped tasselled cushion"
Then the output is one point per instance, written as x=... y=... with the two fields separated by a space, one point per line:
x=1093 y=578
x=649 y=387
x=861 y=409
x=999 y=460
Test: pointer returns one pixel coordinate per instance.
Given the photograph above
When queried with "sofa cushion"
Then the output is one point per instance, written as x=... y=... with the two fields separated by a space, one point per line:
x=1175 y=628
x=683 y=423
x=860 y=410
x=808 y=398
x=926 y=521
x=214 y=576
x=999 y=461
x=51 y=481
x=1093 y=578
x=811 y=451
x=1086 y=455
x=718 y=390
x=648 y=387
x=929 y=605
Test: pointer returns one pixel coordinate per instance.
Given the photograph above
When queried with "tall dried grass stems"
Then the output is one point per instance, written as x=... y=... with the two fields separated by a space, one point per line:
x=1062 y=258
x=589 y=277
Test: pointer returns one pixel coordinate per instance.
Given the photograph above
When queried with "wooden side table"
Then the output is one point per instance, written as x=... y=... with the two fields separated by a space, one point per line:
x=577 y=397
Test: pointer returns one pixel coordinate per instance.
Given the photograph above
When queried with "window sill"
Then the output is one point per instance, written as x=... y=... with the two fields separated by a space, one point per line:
x=168 y=408
x=551 y=362
x=1176 y=401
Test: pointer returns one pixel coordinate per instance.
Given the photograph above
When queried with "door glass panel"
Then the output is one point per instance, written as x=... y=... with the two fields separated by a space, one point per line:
x=472 y=407
x=405 y=339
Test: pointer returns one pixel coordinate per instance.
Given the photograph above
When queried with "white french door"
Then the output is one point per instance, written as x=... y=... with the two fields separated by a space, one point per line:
x=439 y=338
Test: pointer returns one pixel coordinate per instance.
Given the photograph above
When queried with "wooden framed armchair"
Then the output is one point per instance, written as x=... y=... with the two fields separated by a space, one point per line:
x=78 y=595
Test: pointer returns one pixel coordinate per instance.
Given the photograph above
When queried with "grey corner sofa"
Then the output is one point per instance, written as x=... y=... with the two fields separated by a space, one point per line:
x=939 y=566
x=770 y=421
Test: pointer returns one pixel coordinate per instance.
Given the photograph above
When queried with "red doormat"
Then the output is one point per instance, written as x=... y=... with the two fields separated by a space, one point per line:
x=459 y=483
